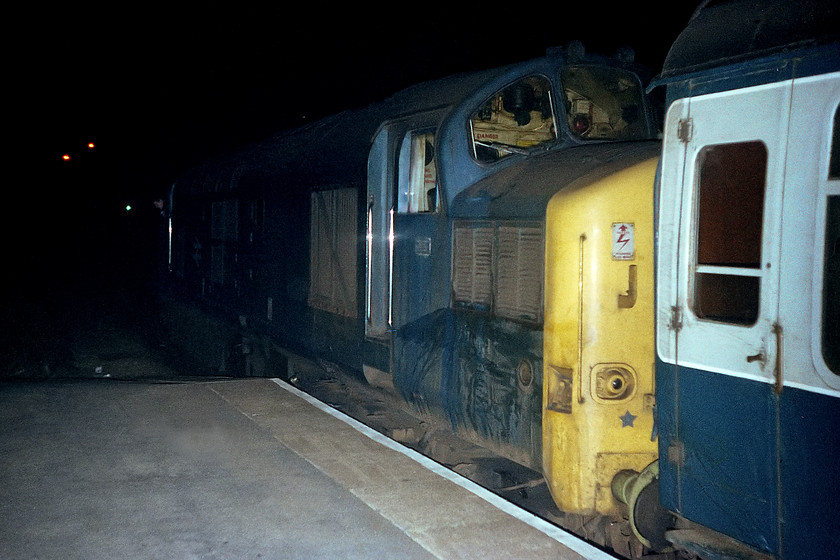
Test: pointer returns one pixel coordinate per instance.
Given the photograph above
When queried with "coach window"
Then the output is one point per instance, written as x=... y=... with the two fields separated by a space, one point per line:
x=604 y=104
x=831 y=273
x=514 y=120
x=417 y=170
x=730 y=208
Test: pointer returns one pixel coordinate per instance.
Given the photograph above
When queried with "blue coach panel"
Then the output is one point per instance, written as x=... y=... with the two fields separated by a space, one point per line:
x=746 y=392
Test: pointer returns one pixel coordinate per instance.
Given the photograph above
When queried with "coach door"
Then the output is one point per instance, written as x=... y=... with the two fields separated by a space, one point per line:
x=718 y=281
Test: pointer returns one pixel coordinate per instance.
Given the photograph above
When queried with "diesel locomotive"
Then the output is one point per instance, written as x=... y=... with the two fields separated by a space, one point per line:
x=406 y=241
x=652 y=324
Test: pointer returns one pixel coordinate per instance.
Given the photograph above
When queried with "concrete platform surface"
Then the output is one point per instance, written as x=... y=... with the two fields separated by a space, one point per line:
x=253 y=468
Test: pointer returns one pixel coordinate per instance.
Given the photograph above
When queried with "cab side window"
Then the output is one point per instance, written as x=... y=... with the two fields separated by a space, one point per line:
x=417 y=173
x=515 y=119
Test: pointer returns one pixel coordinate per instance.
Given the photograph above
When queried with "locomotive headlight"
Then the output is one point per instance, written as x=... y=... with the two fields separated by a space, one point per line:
x=614 y=382
x=559 y=390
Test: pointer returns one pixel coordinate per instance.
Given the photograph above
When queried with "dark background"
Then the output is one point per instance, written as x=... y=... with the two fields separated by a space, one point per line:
x=158 y=90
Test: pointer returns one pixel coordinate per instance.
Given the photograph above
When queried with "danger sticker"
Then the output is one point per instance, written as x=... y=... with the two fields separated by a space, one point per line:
x=623 y=241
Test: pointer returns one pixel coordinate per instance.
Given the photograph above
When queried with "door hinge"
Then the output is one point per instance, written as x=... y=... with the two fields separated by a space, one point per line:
x=685 y=130
x=777 y=370
x=675 y=324
x=676 y=453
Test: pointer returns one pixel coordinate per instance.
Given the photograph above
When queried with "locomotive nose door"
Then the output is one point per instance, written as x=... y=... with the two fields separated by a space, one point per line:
x=718 y=333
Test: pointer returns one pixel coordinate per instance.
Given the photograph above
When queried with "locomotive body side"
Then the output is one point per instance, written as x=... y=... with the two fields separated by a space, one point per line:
x=406 y=243
x=269 y=243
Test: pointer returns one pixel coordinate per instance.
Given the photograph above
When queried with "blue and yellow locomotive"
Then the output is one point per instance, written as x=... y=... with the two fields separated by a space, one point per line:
x=406 y=241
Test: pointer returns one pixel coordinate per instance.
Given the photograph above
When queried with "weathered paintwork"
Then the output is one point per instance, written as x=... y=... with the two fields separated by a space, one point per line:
x=349 y=239
x=468 y=364
x=746 y=406
x=598 y=373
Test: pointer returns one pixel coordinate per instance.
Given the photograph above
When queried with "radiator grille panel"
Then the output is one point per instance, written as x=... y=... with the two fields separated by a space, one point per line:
x=498 y=267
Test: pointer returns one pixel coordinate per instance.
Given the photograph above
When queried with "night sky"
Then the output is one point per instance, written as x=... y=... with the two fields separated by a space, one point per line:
x=164 y=90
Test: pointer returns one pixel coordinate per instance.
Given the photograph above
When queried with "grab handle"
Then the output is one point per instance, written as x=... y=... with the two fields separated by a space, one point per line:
x=628 y=300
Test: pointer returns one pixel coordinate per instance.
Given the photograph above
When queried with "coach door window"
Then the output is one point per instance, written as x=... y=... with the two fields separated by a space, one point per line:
x=514 y=120
x=418 y=189
x=831 y=273
x=728 y=232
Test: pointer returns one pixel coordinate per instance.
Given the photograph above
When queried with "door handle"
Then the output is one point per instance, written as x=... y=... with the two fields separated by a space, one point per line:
x=628 y=300
x=756 y=358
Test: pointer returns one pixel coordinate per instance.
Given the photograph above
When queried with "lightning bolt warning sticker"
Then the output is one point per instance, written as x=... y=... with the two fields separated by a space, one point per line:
x=623 y=241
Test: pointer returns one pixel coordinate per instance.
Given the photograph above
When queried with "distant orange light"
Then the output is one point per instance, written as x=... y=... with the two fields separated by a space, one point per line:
x=90 y=145
x=66 y=157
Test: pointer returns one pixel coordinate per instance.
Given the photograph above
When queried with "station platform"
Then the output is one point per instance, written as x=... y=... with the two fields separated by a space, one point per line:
x=250 y=468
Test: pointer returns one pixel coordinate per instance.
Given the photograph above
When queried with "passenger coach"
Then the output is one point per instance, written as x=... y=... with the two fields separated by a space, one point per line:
x=748 y=297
